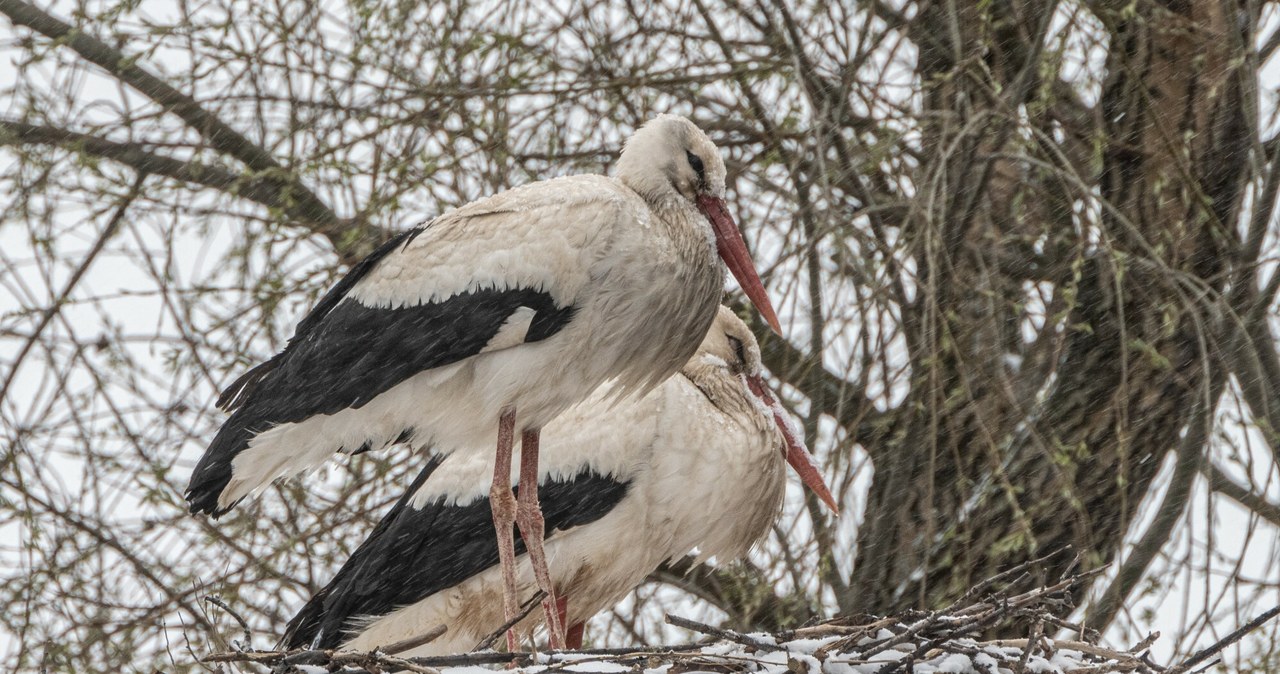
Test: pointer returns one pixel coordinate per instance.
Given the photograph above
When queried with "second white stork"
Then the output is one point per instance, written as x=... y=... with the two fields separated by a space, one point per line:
x=491 y=320
x=695 y=464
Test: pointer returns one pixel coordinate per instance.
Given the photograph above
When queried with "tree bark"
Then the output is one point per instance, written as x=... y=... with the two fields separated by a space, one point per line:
x=994 y=464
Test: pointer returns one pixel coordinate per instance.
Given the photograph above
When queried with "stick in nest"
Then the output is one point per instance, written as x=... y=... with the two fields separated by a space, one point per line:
x=727 y=635
x=533 y=602
x=414 y=642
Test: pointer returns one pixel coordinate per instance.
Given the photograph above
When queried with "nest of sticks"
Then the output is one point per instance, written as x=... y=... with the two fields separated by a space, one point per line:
x=954 y=640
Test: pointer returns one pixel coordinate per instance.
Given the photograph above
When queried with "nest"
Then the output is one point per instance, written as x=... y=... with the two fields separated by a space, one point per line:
x=917 y=642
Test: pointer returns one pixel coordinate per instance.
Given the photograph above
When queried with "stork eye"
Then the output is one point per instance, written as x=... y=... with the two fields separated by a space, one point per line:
x=696 y=162
x=738 y=349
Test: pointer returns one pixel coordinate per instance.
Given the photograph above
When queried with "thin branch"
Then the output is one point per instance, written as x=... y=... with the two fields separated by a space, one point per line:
x=1222 y=643
x=848 y=642
x=727 y=635
x=533 y=602
x=1219 y=482
x=219 y=134
x=309 y=208
x=414 y=642
x=742 y=590
x=264 y=190
x=1256 y=364
x=217 y=601
x=113 y=225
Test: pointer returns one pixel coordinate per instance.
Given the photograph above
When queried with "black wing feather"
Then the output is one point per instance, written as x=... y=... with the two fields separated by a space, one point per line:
x=343 y=354
x=239 y=390
x=413 y=554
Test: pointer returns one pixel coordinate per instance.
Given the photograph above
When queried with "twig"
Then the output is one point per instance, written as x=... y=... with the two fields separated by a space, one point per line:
x=1225 y=641
x=261 y=188
x=350 y=238
x=728 y=635
x=379 y=661
x=1086 y=633
x=835 y=629
x=414 y=642
x=488 y=642
x=1082 y=646
x=491 y=657
x=984 y=585
x=1221 y=483
x=915 y=629
x=218 y=133
x=1145 y=643
x=1188 y=459
x=107 y=232
x=216 y=601
x=1036 y=631
x=917 y=638
x=323 y=657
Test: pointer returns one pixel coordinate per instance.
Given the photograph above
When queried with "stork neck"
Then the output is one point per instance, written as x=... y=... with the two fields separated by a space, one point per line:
x=683 y=219
x=723 y=389
x=656 y=190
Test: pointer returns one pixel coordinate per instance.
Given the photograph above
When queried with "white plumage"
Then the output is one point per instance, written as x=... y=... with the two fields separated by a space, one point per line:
x=504 y=242
x=702 y=460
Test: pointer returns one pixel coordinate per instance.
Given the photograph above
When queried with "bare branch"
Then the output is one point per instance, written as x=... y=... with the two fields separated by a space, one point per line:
x=1224 y=642
x=1256 y=503
x=113 y=225
x=308 y=208
x=262 y=189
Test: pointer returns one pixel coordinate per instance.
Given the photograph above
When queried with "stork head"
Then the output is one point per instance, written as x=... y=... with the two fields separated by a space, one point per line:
x=669 y=158
x=730 y=341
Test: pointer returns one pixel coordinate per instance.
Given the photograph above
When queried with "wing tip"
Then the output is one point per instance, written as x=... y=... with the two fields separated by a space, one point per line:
x=203 y=500
x=204 y=493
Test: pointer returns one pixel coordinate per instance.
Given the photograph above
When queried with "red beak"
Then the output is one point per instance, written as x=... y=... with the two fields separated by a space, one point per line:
x=733 y=250
x=797 y=454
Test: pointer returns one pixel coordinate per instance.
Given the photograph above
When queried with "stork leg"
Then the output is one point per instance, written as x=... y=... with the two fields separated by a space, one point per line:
x=529 y=517
x=503 y=504
x=573 y=634
x=573 y=639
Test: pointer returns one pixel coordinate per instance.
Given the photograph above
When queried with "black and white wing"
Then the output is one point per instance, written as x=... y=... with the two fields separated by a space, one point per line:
x=506 y=271
x=416 y=552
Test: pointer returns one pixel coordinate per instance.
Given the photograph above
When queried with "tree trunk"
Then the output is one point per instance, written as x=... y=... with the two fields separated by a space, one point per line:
x=1003 y=452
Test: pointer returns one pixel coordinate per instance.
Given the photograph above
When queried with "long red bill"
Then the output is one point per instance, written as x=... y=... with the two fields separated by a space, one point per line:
x=797 y=454
x=733 y=250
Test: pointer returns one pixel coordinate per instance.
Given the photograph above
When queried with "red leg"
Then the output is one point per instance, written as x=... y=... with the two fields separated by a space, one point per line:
x=562 y=609
x=529 y=517
x=573 y=637
x=503 y=504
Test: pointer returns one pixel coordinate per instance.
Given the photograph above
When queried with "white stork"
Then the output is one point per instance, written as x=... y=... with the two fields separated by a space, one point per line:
x=697 y=464
x=493 y=319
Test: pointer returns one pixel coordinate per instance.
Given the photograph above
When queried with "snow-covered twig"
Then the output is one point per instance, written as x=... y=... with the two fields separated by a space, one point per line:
x=726 y=635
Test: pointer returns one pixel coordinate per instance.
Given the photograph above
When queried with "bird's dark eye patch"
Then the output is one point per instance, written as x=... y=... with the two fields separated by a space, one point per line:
x=738 y=349
x=696 y=162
